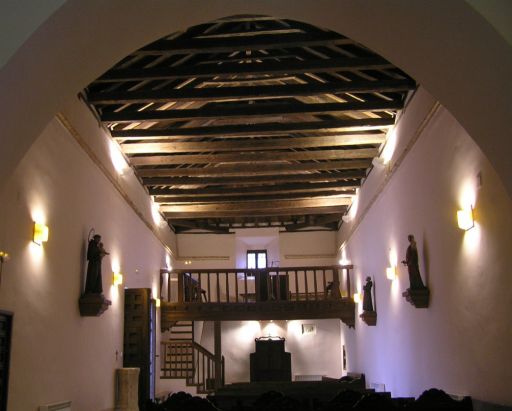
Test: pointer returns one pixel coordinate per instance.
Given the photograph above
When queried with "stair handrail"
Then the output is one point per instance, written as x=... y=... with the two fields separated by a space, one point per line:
x=201 y=375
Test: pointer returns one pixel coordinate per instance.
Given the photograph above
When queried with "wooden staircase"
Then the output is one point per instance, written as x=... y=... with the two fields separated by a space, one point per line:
x=183 y=358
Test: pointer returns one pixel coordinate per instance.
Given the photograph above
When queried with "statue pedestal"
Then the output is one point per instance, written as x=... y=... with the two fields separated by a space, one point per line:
x=127 y=389
x=93 y=305
x=369 y=317
x=418 y=297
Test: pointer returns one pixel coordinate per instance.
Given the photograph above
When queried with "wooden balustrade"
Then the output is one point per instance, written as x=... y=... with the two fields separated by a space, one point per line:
x=249 y=286
x=189 y=360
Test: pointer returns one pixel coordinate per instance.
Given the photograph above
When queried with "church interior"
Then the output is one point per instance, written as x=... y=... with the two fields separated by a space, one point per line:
x=227 y=195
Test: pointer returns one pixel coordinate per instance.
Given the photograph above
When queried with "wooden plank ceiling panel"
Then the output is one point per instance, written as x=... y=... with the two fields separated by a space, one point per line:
x=251 y=121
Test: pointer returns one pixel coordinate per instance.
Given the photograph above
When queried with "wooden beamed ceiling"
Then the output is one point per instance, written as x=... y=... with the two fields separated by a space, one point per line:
x=251 y=121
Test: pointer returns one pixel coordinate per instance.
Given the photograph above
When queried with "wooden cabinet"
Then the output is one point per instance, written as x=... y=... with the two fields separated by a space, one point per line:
x=270 y=362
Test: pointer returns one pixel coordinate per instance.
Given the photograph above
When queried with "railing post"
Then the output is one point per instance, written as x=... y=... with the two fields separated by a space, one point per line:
x=180 y=288
x=217 y=353
x=348 y=282
x=335 y=292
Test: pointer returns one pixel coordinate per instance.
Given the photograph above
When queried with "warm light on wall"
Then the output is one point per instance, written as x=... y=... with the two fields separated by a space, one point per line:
x=391 y=273
x=117 y=158
x=465 y=218
x=117 y=278
x=357 y=298
x=389 y=148
x=157 y=302
x=41 y=233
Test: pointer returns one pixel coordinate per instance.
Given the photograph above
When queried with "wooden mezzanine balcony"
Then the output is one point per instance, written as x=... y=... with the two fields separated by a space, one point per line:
x=266 y=294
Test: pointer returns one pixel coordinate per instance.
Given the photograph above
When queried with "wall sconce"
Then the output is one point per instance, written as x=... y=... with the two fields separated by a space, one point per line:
x=391 y=272
x=41 y=233
x=117 y=279
x=157 y=302
x=357 y=298
x=4 y=256
x=465 y=219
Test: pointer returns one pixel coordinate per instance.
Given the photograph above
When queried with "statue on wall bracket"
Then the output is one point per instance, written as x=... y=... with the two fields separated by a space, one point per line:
x=93 y=303
x=369 y=315
x=417 y=293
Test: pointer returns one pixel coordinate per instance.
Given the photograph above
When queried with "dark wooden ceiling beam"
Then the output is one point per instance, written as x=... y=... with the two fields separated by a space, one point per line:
x=338 y=186
x=253 y=145
x=258 y=208
x=198 y=225
x=180 y=199
x=242 y=170
x=248 y=180
x=221 y=93
x=237 y=43
x=315 y=221
x=259 y=158
x=347 y=125
x=250 y=110
x=267 y=67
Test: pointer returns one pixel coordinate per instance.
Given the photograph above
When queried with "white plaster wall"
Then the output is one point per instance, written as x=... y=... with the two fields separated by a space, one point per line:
x=56 y=354
x=312 y=248
x=213 y=250
x=461 y=343
x=317 y=354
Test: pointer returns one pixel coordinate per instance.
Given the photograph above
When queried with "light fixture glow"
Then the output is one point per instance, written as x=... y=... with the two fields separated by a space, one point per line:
x=117 y=158
x=391 y=273
x=389 y=148
x=465 y=219
x=41 y=233
x=117 y=278
x=357 y=298
x=157 y=302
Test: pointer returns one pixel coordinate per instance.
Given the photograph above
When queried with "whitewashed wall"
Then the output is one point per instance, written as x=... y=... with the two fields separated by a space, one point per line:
x=461 y=343
x=57 y=354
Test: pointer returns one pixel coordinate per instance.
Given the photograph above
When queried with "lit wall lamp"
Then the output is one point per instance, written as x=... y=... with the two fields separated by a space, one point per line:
x=357 y=298
x=391 y=272
x=117 y=279
x=157 y=302
x=41 y=233
x=465 y=218
x=4 y=256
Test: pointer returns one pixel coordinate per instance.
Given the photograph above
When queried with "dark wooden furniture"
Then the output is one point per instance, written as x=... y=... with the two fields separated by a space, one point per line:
x=138 y=326
x=270 y=362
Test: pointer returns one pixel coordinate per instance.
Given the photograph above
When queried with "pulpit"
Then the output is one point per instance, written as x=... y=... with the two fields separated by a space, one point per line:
x=270 y=362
